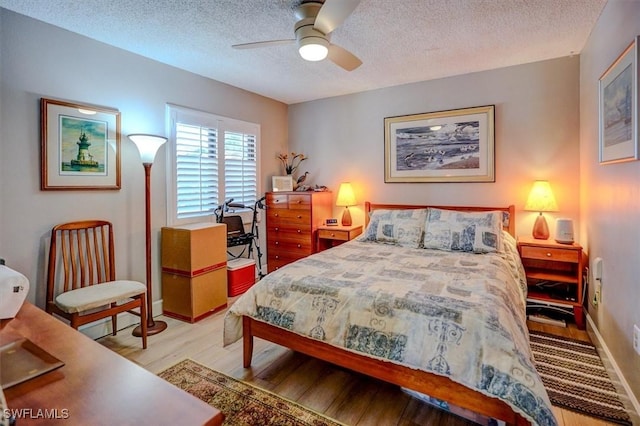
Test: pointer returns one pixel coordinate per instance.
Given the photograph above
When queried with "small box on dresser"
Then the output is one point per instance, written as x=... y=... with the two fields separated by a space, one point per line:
x=194 y=270
x=292 y=222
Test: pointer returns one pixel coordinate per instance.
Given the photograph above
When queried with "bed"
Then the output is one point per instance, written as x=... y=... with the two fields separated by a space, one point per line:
x=431 y=299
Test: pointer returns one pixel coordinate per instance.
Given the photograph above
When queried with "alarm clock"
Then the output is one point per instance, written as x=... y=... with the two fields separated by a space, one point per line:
x=331 y=222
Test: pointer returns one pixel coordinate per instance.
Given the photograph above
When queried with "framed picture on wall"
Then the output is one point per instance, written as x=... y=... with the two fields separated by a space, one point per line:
x=618 y=108
x=80 y=146
x=444 y=146
x=282 y=183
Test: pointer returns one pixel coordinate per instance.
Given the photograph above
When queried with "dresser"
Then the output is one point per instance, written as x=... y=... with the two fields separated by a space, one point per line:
x=293 y=219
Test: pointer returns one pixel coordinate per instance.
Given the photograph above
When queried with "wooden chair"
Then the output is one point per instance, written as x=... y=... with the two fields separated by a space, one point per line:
x=81 y=284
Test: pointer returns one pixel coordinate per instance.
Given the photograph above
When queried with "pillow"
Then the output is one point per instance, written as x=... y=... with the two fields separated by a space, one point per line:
x=402 y=227
x=477 y=232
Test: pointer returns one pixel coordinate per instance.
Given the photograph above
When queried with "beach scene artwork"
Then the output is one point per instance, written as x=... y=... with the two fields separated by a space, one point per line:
x=618 y=109
x=433 y=147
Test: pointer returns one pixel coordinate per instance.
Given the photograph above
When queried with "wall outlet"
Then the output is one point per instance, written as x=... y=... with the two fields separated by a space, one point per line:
x=636 y=338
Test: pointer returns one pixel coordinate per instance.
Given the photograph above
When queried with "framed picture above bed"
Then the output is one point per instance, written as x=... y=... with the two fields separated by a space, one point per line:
x=444 y=146
x=618 y=108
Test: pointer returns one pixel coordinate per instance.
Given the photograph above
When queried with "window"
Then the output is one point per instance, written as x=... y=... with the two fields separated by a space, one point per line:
x=211 y=159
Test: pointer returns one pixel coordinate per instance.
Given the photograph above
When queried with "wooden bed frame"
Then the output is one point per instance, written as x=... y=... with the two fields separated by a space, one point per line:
x=433 y=385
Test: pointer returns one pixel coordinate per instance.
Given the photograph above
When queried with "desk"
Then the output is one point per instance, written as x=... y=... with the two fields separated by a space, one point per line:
x=96 y=386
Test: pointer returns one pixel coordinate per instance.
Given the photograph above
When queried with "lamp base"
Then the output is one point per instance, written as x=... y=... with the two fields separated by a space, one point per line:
x=540 y=228
x=346 y=217
x=153 y=327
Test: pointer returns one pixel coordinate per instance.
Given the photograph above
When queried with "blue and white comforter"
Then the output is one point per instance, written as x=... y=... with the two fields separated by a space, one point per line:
x=455 y=314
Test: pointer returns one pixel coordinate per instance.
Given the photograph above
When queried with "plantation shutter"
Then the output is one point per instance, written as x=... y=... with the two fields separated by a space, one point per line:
x=196 y=170
x=240 y=167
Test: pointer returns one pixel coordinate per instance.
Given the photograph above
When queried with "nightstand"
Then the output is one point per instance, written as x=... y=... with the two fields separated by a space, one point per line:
x=554 y=276
x=330 y=236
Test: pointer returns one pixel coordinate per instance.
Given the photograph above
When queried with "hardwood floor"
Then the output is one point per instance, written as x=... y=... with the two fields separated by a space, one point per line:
x=338 y=393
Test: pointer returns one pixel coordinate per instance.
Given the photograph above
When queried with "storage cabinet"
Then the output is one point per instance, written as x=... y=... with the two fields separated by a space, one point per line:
x=194 y=270
x=554 y=275
x=292 y=222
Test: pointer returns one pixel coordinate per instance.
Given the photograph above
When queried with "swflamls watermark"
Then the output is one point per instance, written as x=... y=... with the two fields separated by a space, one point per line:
x=36 y=413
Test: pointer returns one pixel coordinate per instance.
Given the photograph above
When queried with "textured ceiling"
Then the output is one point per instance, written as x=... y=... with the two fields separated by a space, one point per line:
x=399 y=41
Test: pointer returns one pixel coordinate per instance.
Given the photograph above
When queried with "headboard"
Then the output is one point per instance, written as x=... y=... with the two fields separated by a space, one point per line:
x=509 y=222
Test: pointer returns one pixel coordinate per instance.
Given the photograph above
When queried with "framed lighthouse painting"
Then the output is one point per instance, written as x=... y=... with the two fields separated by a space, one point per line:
x=80 y=146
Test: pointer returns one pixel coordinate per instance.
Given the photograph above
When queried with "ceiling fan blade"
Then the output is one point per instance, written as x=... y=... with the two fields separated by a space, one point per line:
x=343 y=58
x=333 y=13
x=268 y=43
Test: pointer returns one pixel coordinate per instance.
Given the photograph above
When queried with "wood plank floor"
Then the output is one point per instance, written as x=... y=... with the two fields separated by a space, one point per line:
x=338 y=393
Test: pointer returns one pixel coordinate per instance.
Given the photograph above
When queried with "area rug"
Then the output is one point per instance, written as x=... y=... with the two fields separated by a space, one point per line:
x=241 y=403
x=575 y=378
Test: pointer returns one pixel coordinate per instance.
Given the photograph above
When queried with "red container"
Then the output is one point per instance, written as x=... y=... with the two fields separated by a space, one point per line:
x=241 y=274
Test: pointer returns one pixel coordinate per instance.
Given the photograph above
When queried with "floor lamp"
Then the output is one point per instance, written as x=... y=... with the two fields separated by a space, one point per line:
x=148 y=146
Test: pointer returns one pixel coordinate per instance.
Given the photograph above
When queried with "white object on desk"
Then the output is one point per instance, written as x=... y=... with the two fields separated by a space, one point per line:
x=13 y=290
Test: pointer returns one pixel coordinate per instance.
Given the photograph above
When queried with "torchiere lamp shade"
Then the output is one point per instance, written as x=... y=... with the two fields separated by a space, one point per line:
x=541 y=199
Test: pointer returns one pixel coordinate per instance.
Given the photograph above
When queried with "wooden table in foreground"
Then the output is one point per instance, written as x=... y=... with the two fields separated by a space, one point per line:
x=95 y=386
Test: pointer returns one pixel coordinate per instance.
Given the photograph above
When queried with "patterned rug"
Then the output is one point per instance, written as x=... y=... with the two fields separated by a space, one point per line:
x=241 y=403
x=575 y=378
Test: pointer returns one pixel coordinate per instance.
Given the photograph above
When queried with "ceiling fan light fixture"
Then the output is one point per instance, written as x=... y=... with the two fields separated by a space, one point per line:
x=313 y=48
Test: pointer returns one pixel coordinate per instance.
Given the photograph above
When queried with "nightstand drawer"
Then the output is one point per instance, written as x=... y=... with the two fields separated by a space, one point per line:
x=545 y=253
x=333 y=234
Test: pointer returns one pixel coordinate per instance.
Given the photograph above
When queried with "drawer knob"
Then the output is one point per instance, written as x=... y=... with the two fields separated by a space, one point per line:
x=333 y=235
x=299 y=201
x=277 y=257
x=277 y=242
x=299 y=217
x=299 y=245
x=548 y=254
x=277 y=229
x=276 y=215
x=299 y=231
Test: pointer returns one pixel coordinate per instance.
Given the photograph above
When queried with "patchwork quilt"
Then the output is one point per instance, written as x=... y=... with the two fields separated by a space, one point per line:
x=460 y=315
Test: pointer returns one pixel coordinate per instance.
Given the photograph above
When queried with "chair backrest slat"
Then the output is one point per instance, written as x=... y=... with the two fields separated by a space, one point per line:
x=86 y=256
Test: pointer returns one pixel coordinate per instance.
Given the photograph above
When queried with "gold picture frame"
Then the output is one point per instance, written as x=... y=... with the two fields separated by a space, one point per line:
x=80 y=146
x=444 y=146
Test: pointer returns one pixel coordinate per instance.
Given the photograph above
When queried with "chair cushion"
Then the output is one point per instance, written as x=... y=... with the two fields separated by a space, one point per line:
x=86 y=298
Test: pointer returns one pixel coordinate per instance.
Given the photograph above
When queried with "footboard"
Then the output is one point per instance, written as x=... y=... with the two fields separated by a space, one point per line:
x=431 y=384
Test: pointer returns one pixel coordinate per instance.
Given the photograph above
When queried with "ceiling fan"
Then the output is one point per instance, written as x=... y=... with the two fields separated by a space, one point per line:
x=316 y=20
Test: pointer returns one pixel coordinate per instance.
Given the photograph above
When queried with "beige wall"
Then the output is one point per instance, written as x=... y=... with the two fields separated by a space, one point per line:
x=536 y=137
x=39 y=60
x=610 y=196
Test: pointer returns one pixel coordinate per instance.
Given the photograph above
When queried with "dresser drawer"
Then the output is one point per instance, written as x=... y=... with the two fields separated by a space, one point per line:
x=337 y=234
x=300 y=246
x=289 y=219
x=544 y=253
x=277 y=201
x=290 y=234
x=300 y=202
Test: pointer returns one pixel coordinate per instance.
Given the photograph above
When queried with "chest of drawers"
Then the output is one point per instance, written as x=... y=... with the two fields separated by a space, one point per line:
x=292 y=222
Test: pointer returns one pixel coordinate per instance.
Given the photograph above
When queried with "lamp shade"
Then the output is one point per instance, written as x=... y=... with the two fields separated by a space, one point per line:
x=147 y=145
x=541 y=198
x=345 y=195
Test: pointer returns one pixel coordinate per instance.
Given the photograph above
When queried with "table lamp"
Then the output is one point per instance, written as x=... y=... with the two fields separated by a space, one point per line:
x=346 y=198
x=541 y=199
x=148 y=146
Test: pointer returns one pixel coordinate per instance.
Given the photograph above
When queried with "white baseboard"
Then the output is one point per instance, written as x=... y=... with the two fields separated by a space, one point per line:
x=632 y=398
x=102 y=328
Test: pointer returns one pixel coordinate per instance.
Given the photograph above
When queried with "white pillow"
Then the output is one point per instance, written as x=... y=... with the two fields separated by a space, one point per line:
x=402 y=227
x=477 y=232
